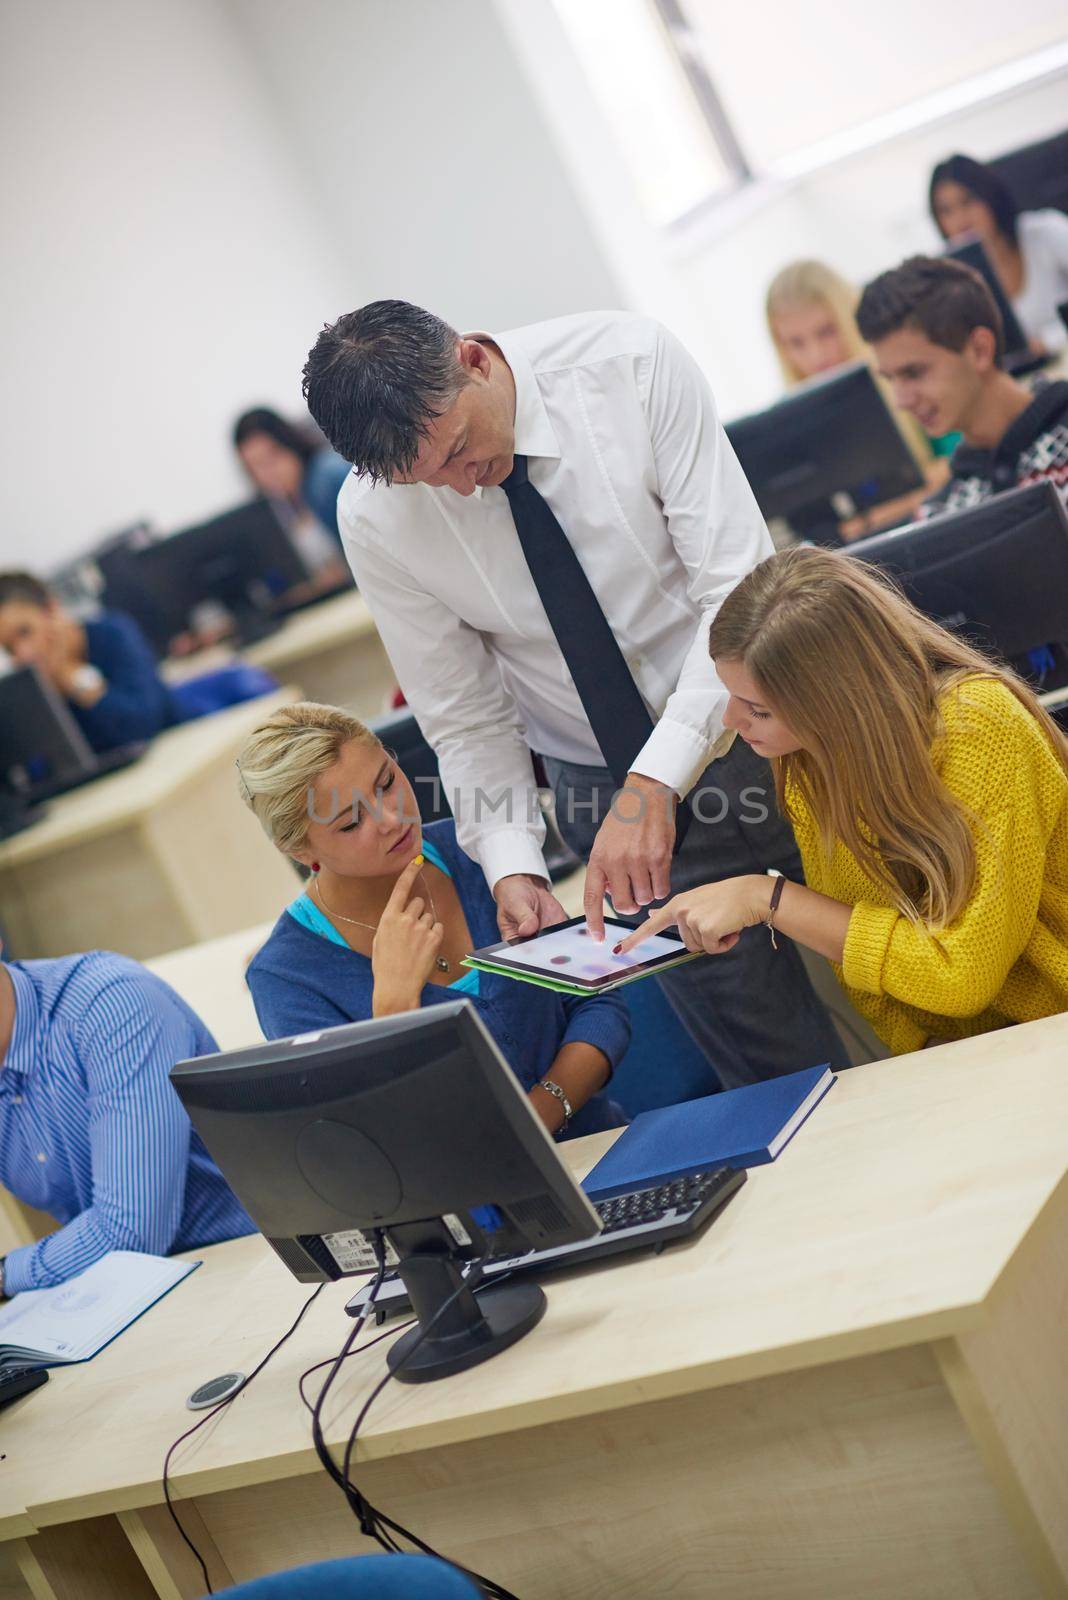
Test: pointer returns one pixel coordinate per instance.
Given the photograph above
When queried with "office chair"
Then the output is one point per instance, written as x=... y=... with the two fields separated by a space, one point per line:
x=390 y=1577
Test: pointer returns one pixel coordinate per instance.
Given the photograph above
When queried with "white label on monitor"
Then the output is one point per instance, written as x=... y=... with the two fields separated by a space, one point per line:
x=354 y=1252
x=306 y=1038
x=457 y=1229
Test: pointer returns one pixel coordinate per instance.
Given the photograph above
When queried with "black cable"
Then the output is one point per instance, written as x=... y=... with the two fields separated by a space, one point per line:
x=214 y=1412
x=375 y=1524
x=389 y=1333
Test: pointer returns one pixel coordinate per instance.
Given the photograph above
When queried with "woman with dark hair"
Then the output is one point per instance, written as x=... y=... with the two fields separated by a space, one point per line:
x=288 y=464
x=1028 y=249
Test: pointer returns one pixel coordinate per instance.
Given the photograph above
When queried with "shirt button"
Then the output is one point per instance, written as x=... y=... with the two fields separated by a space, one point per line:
x=18 y=1099
x=41 y=1156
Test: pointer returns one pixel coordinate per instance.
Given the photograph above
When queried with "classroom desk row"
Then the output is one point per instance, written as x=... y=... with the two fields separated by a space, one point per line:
x=854 y=1383
x=163 y=854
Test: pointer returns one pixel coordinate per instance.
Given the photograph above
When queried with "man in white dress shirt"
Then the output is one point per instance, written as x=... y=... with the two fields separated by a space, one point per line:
x=616 y=429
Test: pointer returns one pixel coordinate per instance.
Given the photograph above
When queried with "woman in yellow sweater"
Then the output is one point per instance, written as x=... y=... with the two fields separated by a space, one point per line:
x=929 y=793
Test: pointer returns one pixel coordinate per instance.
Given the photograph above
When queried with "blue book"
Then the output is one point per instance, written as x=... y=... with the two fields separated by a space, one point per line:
x=736 y=1128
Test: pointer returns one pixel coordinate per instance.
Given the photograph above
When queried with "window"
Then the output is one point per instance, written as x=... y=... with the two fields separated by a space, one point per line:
x=642 y=91
x=703 y=94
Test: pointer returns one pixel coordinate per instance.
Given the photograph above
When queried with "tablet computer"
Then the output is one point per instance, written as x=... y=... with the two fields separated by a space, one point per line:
x=567 y=958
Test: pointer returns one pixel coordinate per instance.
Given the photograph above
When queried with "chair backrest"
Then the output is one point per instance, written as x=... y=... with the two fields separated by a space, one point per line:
x=663 y=1064
x=393 y=1577
x=225 y=686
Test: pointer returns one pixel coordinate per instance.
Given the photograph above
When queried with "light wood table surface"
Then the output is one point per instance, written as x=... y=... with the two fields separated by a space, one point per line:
x=152 y=858
x=334 y=652
x=855 y=1383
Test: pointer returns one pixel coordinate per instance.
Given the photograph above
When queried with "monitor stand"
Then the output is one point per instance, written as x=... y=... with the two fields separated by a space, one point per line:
x=473 y=1328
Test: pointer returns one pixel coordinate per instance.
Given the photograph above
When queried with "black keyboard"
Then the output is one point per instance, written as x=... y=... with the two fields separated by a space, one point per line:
x=641 y=1219
x=19 y=1377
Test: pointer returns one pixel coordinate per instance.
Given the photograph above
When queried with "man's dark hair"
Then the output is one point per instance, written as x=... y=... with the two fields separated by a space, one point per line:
x=376 y=379
x=984 y=184
x=261 y=419
x=944 y=299
x=25 y=587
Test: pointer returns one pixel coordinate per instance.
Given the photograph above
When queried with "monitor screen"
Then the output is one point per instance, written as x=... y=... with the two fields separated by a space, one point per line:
x=997 y=573
x=833 y=436
x=243 y=560
x=40 y=742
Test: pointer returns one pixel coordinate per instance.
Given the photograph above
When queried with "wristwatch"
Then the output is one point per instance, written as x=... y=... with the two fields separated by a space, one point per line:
x=558 y=1094
x=87 y=679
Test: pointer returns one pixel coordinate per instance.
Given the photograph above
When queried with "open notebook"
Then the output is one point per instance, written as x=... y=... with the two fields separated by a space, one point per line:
x=75 y=1320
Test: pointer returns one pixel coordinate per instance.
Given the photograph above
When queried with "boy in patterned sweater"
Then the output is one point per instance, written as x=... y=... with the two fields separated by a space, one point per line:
x=937 y=337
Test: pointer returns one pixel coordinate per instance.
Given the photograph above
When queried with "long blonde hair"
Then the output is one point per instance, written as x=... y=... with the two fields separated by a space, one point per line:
x=813 y=283
x=858 y=675
x=282 y=759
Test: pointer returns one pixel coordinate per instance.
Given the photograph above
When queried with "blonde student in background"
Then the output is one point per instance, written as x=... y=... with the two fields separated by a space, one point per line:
x=811 y=314
x=928 y=790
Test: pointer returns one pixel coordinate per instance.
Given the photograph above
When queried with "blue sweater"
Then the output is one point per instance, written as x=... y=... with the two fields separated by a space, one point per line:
x=137 y=704
x=301 y=981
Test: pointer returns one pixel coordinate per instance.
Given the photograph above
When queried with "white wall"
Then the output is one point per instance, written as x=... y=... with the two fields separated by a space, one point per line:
x=163 y=266
x=422 y=138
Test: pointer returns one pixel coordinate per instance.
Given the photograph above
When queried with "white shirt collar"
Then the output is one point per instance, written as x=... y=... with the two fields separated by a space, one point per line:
x=534 y=435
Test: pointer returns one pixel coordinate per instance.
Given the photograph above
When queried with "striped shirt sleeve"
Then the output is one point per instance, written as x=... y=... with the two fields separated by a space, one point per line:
x=139 y=1140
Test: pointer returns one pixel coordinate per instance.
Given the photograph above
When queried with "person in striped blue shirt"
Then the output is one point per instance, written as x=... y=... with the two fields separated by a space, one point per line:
x=91 y=1130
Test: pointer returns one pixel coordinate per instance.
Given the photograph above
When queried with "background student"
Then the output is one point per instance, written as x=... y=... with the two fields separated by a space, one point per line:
x=937 y=337
x=390 y=912
x=929 y=793
x=104 y=668
x=90 y=1129
x=287 y=464
x=811 y=315
x=1027 y=249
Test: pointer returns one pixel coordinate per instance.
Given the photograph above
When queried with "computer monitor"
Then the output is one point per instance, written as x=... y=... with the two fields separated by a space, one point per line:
x=832 y=439
x=127 y=583
x=1017 y=357
x=41 y=745
x=997 y=573
x=1037 y=174
x=242 y=559
x=413 y=1125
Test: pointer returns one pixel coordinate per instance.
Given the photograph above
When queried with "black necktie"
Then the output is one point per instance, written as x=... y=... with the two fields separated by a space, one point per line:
x=617 y=714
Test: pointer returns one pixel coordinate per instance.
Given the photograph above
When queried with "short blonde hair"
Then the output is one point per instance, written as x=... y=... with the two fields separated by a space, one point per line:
x=283 y=758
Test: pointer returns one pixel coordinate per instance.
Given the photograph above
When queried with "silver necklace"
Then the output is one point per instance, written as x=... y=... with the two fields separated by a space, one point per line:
x=439 y=961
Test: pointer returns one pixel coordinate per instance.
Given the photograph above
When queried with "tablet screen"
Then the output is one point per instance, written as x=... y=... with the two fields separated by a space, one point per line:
x=572 y=955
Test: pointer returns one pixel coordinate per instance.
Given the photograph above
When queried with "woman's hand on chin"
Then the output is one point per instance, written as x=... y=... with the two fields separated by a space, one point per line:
x=406 y=946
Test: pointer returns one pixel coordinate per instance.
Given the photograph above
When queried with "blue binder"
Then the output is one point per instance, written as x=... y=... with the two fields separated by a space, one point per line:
x=738 y=1128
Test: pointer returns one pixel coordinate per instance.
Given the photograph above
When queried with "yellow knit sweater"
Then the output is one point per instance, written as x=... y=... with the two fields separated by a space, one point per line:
x=1005 y=957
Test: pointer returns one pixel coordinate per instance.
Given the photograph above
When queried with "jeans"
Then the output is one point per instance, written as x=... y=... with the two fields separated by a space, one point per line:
x=753 y=1010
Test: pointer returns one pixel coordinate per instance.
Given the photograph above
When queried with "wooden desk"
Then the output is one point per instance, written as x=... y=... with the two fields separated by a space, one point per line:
x=854 y=1384
x=333 y=651
x=211 y=978
x=149 y=859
